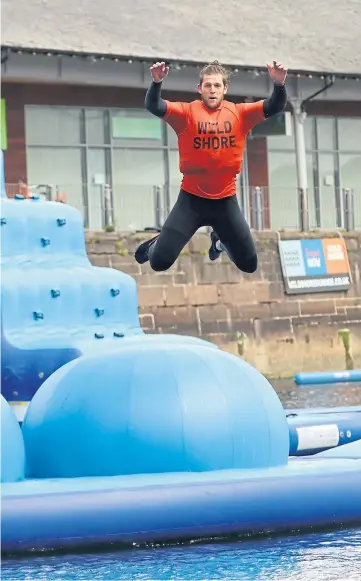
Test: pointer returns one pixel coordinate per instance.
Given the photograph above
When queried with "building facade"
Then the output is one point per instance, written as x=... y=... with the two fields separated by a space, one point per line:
x=77 y=127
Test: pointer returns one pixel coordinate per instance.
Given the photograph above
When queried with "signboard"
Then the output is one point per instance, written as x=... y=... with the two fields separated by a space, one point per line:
x=317 y=265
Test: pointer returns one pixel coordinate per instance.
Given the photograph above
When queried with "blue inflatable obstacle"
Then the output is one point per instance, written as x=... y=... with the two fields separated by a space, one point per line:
x=12 y=446
x=129 y=437
x=352 y=450
x=327 y=377
x=55 y=305
x=158 y=409
x=316 y=430
x=163 y=443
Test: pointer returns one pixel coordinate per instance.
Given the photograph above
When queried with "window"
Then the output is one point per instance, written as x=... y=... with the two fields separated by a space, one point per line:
x=175 y=176
x=136 y=174
x=349 y=134
x=60 y=167
x=53 y=126
x=326 y=133
x=328 y=140
x=350 y=176
x=54 y=153
x=136 y=128
x=172 y=137
x=96 y=122
x=285 y=142
x=79 y=150
x=310 y=133
x=98 y=178
x=311 y=160
x=283 y=190
x=327 y=190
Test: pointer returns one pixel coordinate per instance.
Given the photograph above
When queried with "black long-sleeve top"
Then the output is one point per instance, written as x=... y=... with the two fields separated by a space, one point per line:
x=274 y=104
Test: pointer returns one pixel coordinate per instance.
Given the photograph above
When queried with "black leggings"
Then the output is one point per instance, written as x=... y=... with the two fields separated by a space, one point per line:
x=189 y=214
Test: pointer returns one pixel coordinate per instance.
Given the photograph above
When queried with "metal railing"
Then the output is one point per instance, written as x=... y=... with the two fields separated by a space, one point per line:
x=138 y=207
x=281 y=208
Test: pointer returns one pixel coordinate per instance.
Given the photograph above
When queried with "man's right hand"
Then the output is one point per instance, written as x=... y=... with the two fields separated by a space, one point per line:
x=159 y=71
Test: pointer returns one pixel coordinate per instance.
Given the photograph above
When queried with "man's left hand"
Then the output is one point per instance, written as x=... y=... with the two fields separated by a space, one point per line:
x=277 y=72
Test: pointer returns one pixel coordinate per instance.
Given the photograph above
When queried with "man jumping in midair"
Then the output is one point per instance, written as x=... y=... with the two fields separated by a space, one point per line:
x=211 y=138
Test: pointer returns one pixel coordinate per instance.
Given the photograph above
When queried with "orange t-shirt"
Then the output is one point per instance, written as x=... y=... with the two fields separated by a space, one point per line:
x=211 y=143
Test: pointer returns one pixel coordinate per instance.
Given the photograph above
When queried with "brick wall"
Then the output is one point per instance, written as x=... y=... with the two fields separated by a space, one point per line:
x=283 y=334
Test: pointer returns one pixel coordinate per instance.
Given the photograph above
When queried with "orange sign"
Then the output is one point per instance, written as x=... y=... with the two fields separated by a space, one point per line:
x=335 y=255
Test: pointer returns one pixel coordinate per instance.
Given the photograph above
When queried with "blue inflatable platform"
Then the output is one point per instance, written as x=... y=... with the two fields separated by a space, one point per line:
x=327 y=377
x=136 y=438
x=316 y=430
x=180 y=506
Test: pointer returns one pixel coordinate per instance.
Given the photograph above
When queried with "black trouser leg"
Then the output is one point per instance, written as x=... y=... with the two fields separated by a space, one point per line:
x=181 y=224
x=235 y=234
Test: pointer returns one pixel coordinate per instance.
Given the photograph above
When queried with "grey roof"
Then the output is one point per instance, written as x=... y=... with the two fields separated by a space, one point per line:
x=313 y=35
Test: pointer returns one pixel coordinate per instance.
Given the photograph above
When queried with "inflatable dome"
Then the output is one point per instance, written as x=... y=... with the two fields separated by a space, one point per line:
x=12 y=445
x=162 y=338
x=154 y=409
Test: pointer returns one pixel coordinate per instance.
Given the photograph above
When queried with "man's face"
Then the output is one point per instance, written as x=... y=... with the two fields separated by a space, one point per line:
x=212 y=90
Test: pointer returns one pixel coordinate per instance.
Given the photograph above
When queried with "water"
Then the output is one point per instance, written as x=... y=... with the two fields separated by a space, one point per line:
x=303 y=557
x=328 y=557
x=346 y=394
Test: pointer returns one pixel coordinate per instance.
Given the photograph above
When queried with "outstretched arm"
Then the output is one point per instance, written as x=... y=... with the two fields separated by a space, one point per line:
x=254 y=113
x=173 y=113
x=277 y=102
x=153 y=101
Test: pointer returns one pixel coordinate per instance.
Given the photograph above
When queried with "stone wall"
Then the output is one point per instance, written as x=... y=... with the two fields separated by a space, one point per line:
x=248 y=314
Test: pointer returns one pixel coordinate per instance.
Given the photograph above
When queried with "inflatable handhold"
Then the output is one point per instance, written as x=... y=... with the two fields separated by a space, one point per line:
x=38 y=315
